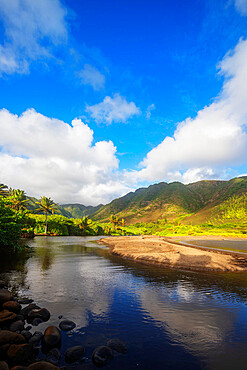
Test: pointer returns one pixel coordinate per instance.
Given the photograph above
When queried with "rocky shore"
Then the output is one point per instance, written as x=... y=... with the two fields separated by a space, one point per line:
x=159 y=251
x=22 y=350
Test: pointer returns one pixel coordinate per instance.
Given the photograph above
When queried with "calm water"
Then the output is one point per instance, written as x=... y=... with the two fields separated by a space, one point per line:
x=168 y=319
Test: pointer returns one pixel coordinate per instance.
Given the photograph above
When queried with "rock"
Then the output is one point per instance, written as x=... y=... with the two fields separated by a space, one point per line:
x=41 y=313
x=25 y=300
x=37 y=321
x=26 y=334
x=52 y=337
x=117 y=345
x=4 y=365
x=6 y=317
x=28 y=308
x=2 y=284
x=20 y=353
x=53 y=356
x=18 y=367
x=9 y=337
x=20 y=317
x=42 y=365
x=67 y=325
x=102 y=355
x=60 y=317
x=34 y=340
x=3 y=351
x=12 y=306
x=74 y=354
x=29 y=327
x=17 y=326
x=5 y=295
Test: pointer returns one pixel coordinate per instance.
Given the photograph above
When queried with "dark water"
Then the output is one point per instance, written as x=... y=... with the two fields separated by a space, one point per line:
x=168 y=319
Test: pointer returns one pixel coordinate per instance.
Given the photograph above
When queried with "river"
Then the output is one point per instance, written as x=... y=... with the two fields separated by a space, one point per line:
x=167 y=319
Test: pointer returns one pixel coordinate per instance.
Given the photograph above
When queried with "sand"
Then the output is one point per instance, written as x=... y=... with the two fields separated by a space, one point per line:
x=163 y=252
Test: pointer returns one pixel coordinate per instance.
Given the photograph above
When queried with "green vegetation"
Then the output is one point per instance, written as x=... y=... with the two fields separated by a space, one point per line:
x=202 y=208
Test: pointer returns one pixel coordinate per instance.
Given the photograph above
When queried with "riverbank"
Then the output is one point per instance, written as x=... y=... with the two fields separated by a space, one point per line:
x=168 y=253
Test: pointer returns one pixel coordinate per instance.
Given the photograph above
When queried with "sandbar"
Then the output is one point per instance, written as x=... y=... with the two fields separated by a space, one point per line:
x=160 y=251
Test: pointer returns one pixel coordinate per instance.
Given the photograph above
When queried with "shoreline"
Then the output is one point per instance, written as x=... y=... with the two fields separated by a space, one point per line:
x=169 y=253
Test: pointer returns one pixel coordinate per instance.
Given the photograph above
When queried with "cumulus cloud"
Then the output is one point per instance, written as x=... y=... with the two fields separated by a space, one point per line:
x=89 y=75
x=150 y=108
x=241 y=6
x=46 y=156
x=31 y=30
x=216 y=137
x=115 y=109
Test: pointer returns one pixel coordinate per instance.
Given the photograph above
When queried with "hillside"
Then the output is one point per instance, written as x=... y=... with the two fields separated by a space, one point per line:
x=194 y=203
x=79 y=210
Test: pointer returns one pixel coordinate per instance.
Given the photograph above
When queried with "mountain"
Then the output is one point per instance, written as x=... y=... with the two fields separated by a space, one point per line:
x=195 y=202
x=67 y=210
x=60 y=210
x=79 y=210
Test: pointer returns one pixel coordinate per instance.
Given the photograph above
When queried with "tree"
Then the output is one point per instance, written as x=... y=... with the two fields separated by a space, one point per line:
x=18 y=199
x=46 y=205
x=83 y=223
x=114 y=220
x=4 y=190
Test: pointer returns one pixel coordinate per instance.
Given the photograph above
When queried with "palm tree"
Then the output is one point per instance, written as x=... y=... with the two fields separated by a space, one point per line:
x=4 y=190
x=83 y=223
x=46 y=205
x=18 y=199
x=114 y=220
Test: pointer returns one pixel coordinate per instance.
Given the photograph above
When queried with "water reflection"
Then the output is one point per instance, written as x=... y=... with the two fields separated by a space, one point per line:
x=198 y=320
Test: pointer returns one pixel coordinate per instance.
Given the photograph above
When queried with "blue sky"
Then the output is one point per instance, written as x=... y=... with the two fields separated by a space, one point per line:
x=99 y=98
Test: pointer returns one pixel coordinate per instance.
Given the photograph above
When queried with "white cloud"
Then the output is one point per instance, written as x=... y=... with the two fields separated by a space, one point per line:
x=214 y=139
x=241 y=6
x=31 y=28
x=91 y=76
x=150 y=108
x=45 y=156
x=115 y=109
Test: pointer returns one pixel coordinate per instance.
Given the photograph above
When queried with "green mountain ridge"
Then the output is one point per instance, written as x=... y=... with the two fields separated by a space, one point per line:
x=193 y=203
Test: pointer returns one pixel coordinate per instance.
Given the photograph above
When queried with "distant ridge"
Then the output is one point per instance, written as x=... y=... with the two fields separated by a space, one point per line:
x=195 y=201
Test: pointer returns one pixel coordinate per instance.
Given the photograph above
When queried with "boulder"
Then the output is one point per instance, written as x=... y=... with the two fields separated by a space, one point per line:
x=37 y=321
x=41 y=313
x=20 y=317
x=12 y=306
x=8 y=337
x=74 y=354
x=6 y=317
x=5 y=295
x=102 y=355
x=26 y=334
x=17 y=326
x=53 y=356
x=4 y=365
x=18 y=367
x=117 y=345
x=42 y=365
x=2 y=284
x=67 y=325
x=28 y=308
x=25 y=300
x=37 y=336
x=20 y=353
x=52 y=337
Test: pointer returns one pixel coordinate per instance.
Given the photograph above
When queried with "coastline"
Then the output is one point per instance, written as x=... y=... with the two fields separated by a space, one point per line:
x=166 y=252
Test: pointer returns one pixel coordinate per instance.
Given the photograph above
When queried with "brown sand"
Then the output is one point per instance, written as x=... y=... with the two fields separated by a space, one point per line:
x=158 y=250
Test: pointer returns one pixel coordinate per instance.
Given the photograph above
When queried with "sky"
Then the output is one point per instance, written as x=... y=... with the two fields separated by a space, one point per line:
x=99 y=98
